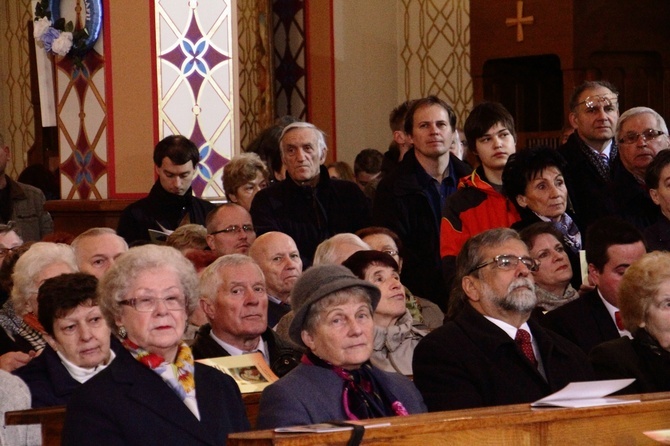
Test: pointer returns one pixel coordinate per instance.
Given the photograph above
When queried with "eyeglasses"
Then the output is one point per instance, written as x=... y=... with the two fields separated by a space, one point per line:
x=149 y=304
x=647 y=135
x=234 y=229
x=507 y=262
x=5 y=251
x=592 y=102
x=390 y=252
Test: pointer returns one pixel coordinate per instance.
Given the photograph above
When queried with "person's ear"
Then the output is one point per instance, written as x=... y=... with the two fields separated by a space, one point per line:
x=594 y=275
x=207 y=308
x=233 y=198
x=308 y=339
x=324 y=152
x=522 y=201
x=653 y=193
x=572 y=117
x=471 y=288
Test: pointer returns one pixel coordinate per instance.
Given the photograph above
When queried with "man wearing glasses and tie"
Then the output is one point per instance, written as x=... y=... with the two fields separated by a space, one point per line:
x=491 y=354
x=591 y=150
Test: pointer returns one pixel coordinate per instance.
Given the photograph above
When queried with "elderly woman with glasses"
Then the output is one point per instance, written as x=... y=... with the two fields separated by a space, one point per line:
x=153 y=393
x=533 y=180
x=334 y=323
x=644 y=303
x=641 y=134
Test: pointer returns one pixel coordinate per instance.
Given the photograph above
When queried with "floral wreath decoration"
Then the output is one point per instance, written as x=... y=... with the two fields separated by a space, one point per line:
x=59 y=37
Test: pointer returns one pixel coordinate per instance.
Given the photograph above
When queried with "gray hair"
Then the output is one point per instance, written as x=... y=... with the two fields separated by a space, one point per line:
x=10 y=225
x=635 y=111
x=471 y=255
x=117 y=281
x=39 y=256
x=211 y=278
x=320 y=138
x=95 y=232
x=326 y=253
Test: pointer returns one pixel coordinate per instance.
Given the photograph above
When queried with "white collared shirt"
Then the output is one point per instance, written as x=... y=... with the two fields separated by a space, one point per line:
x=606 y=151
x=234 y=351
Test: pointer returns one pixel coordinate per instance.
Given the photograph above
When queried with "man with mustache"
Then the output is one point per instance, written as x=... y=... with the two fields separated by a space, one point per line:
x=230 y=230
x=591 y=150
x=491 y=353
x=234 y=298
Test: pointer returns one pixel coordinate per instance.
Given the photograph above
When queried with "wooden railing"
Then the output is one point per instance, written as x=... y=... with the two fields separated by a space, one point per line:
x=503 y=425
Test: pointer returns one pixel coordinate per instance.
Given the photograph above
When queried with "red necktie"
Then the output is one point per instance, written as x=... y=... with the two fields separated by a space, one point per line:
x=523 y=341
x=619 y=321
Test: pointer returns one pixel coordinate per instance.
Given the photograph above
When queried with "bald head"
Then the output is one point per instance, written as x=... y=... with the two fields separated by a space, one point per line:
x=277 y=255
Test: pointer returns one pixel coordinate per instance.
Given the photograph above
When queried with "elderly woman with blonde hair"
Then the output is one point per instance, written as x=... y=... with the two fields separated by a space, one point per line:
x=153 y=392
x=644 y=303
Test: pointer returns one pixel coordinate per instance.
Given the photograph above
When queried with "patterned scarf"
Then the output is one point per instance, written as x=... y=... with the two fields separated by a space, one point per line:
x=570 y=232
x=362 y=395
x=602 y=166
x=179 y=376
x=550 y=301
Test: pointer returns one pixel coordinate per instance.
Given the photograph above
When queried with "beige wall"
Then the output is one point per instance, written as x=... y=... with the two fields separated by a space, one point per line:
x=387 y=52
x=133 y=137
x=366 y=80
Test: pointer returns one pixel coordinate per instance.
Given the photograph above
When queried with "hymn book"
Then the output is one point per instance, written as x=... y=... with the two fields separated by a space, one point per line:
x=250 y=371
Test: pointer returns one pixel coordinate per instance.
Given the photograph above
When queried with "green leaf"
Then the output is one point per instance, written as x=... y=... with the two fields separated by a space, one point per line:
x=60 y=24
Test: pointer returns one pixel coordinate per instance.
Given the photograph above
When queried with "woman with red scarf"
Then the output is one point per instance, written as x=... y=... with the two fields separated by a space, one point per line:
x=335 y=382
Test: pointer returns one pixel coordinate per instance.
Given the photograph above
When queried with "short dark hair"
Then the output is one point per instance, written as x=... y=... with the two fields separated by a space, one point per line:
x=61 y=294
x=179 y=149
x=525 y=165
x=397 y=116
x=605 y=232
x=484 y=116
x=425 y=102
x=360 y=261
x=588 y=85
x=368 y=161
x=654 y=169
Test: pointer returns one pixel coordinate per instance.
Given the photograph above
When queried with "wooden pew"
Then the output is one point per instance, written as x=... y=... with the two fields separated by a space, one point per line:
x=503 y=425
x=51 y=419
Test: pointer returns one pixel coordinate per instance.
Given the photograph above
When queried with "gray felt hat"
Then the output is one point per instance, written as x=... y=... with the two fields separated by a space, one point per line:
x=319 y=282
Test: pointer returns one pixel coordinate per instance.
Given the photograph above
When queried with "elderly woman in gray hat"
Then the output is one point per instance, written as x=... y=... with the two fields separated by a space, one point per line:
x=335 y=382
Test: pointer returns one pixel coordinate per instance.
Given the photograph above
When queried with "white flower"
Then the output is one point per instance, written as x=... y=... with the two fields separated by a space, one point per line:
x=40 y=26
x=62 y=44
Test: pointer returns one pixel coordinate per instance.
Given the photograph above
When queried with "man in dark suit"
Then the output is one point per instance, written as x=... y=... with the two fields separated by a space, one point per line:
x=491 y=353
x=611 y=246
x=591 y=149
x=235 y=300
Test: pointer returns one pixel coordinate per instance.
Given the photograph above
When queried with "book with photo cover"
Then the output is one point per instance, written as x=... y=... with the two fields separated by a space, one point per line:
x=250 y=371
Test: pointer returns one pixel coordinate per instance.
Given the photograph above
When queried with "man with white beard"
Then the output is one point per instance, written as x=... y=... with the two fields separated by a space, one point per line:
x=491 y=353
